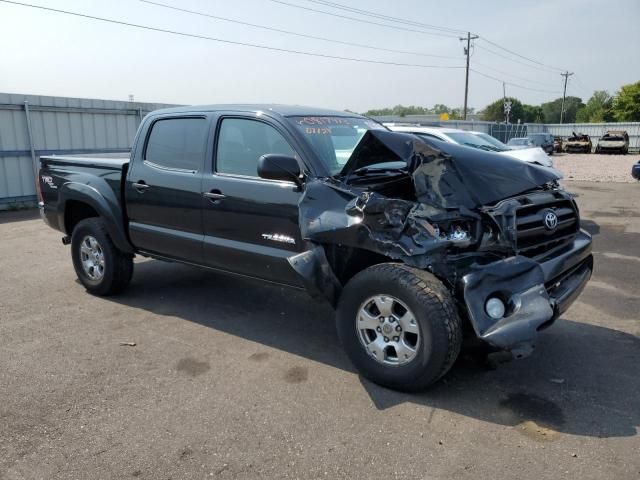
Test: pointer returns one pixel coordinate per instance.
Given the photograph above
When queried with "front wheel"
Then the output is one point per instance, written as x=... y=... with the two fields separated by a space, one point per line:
x=399 y=326
x=99 y=265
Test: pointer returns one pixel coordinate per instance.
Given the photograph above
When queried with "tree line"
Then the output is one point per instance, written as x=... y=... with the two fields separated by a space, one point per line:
x=623 y=106
x=403 y=111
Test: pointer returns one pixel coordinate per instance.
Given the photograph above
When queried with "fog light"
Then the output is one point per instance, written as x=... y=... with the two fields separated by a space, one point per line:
x=495 y=308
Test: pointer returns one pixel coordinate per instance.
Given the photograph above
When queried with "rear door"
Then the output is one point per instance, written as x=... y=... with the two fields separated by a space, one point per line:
x=163 y=188
x=250 y=224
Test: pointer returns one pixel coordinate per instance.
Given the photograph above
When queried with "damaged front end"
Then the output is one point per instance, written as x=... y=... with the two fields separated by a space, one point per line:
x=498 y=232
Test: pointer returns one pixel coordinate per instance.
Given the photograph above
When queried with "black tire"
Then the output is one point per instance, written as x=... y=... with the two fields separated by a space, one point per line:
x=118 y=266
x=432 y=307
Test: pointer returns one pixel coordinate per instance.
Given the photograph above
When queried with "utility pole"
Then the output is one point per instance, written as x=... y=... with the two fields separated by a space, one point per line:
x=564 y=95
x=467 y=52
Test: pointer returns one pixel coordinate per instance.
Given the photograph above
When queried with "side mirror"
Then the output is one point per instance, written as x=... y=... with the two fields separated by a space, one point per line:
x=275 y=166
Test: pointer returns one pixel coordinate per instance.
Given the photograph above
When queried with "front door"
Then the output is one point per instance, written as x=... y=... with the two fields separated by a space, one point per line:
x=250 y=224
x=164 y=188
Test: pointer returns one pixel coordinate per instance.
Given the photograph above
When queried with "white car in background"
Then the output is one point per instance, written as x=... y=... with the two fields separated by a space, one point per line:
x=477 y=140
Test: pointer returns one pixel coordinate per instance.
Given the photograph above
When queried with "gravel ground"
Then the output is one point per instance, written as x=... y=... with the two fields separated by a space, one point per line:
x=596 y=168
x=234 y=379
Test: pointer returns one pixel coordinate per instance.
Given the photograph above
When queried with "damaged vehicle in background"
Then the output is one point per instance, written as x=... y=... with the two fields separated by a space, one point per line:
x=578 y=143
x=614 y=141
x=415 y=242
x=478 y=140
x=557 y=144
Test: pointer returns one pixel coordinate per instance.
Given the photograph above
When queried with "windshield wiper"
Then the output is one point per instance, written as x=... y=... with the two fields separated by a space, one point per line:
x=375 y=170
x=482 y=147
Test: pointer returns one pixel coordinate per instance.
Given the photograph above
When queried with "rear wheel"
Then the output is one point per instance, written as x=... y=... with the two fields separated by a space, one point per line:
x=399 y=326
x=99 y=265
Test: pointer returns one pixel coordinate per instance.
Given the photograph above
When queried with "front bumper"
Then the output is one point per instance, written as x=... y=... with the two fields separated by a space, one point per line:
x=535 y=293
x=611 y=148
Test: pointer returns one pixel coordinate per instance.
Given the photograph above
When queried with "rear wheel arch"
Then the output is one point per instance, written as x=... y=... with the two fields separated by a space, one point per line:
x=74 y=212
x=78 y=202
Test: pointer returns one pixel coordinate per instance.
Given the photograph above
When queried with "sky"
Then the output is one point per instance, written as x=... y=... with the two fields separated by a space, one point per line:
x=47 y=53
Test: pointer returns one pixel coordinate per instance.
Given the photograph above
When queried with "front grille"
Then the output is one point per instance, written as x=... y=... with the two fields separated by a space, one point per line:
x=533 y=238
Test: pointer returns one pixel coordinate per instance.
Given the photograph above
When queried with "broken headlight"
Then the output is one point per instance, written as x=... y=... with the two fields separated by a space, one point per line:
x=454 y=232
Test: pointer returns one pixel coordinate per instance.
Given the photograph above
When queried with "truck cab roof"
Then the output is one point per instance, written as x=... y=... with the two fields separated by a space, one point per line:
x=277 y=109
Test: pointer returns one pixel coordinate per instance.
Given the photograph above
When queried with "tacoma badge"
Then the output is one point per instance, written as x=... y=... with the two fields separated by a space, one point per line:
x=278 y=237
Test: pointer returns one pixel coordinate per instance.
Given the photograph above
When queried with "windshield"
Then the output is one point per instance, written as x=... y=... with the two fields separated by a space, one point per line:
x=493 y=141
x=333 y=139
x=519 y=141
x=613 y=138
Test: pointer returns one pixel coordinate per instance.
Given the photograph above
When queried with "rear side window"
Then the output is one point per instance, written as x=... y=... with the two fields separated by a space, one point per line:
x=178 y=143
x=242 y=142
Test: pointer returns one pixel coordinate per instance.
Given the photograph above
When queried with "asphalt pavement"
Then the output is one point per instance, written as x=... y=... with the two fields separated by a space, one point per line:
x=192 y=374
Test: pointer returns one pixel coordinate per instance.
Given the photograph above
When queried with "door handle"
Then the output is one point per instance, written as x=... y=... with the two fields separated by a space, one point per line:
x=214 y=195
x=140 y=186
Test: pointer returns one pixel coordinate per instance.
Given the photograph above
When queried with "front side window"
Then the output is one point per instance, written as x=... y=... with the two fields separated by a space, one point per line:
x=178 y=143
x=242 y=142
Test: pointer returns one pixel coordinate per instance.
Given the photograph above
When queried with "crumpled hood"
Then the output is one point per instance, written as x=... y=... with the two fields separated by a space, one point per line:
x=447 y=175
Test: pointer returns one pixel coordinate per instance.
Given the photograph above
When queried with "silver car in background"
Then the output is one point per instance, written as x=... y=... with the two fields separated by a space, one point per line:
x=477 y=140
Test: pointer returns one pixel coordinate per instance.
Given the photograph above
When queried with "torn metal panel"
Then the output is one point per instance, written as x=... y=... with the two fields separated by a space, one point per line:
x=392 y=227
x=316 y=273
x=450 y=175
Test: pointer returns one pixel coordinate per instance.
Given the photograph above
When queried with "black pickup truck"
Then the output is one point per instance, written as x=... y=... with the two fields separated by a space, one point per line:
x=413 y=241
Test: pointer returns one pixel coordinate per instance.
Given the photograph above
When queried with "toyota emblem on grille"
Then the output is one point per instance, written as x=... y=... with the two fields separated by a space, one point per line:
x=550 y=220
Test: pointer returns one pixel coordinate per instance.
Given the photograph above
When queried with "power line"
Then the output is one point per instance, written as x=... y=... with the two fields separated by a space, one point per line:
x=584 y=87
x=369 y=13
x=515 y=60
x=297 y=34
x=381 y=16
x=230 y=42
x=194 y=12
x=362 y=20
x=518 y=55
x=510 y=83
x=514 y=76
